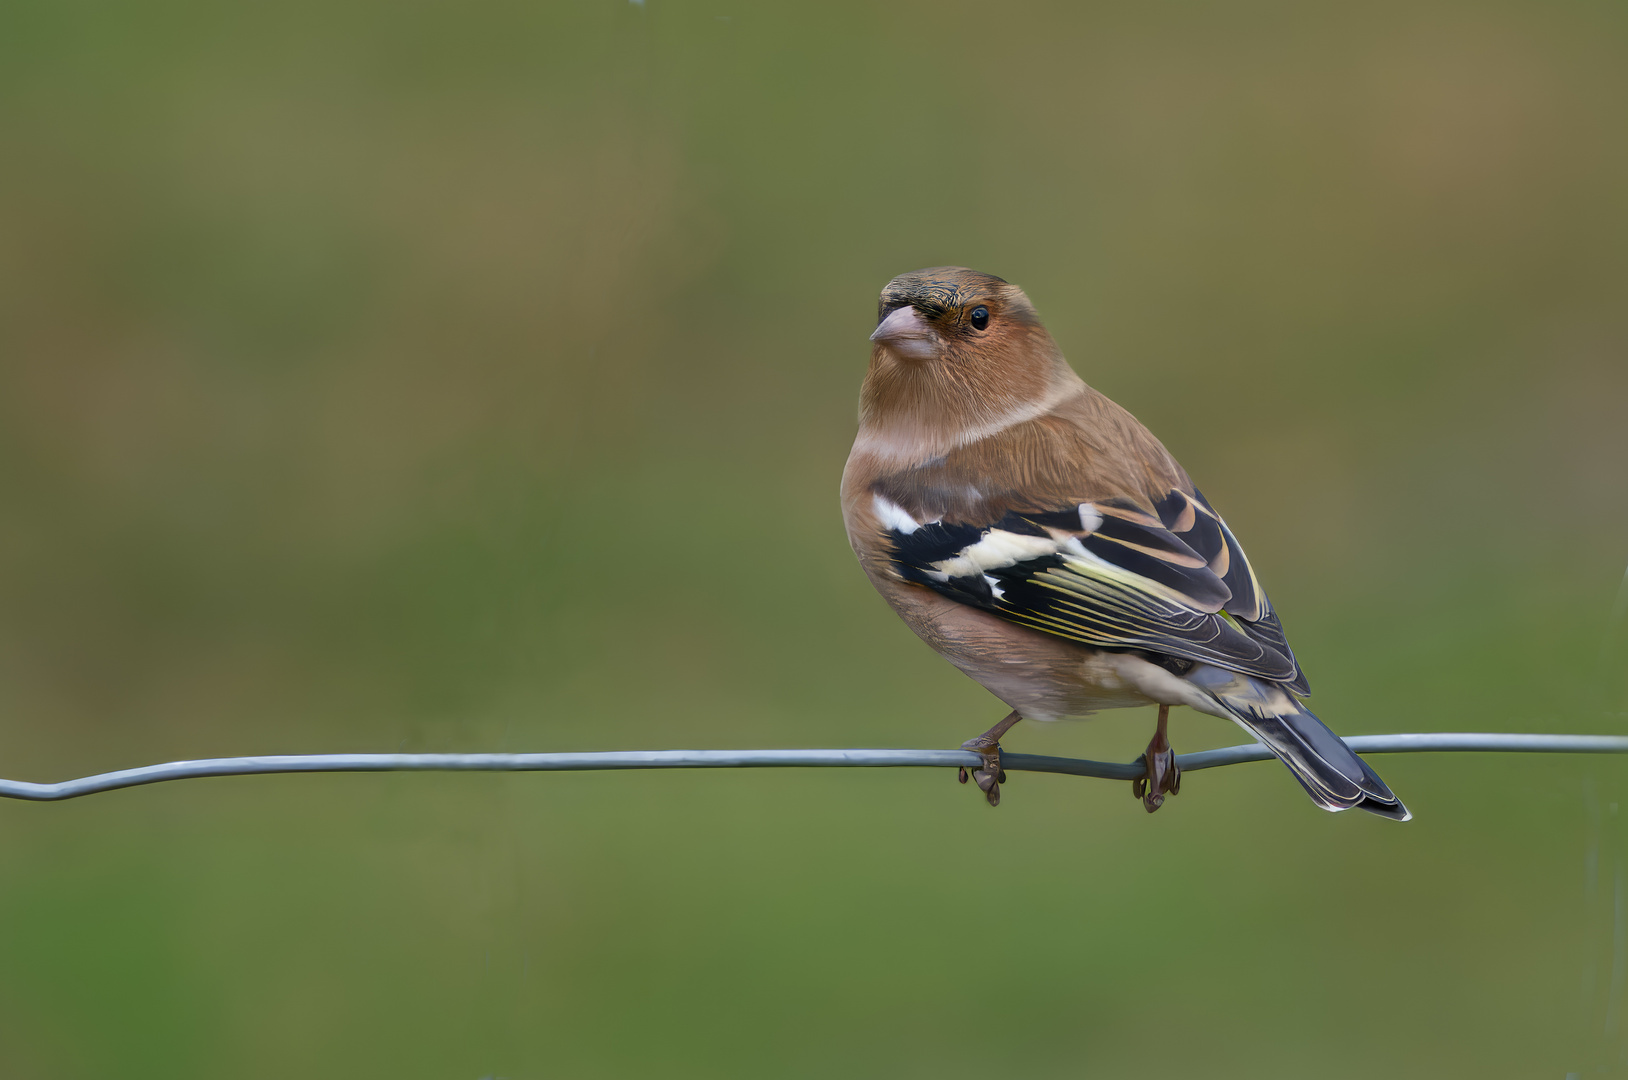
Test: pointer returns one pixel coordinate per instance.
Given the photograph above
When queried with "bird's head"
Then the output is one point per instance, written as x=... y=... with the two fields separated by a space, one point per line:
x=957 y=353
x=950 y=314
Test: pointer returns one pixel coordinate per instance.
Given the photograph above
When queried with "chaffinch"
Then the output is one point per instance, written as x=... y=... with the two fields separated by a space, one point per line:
x=1044 y=542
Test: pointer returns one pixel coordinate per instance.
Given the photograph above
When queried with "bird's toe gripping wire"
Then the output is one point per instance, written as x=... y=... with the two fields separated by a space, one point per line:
x=1163 y=776
x=990 y=776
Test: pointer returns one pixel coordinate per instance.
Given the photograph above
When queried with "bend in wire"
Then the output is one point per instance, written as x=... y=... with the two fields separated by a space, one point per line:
x=750 y=759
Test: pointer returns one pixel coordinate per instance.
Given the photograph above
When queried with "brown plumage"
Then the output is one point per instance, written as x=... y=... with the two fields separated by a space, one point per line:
x=1042 y=540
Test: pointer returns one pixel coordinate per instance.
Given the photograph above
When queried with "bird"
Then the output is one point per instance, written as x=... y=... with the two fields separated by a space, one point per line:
x=1042 y=540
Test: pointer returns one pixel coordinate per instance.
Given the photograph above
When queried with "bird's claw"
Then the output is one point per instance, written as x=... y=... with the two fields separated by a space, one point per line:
x=989 y=776
x=1163 y=778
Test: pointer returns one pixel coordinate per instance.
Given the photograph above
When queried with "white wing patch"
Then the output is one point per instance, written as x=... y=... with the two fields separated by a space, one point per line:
x=893 y=516
x=1090 y=518
x=995 y=550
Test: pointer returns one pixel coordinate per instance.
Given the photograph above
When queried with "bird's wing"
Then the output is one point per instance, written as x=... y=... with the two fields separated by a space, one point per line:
x=1109 y=573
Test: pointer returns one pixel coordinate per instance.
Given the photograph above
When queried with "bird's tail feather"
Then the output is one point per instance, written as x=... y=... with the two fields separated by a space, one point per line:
x=1330 y=771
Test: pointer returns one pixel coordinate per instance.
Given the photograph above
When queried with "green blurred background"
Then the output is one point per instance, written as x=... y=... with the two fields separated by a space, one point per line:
x=436 y=376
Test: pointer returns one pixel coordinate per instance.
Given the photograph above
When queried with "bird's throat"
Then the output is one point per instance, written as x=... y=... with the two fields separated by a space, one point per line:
x=912 y=411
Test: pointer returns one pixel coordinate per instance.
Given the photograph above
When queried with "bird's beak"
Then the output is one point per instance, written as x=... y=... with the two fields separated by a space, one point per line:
x=906 y=333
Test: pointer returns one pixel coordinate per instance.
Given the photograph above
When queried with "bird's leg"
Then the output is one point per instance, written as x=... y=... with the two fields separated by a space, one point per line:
x=988 y=746
x=1163 y=777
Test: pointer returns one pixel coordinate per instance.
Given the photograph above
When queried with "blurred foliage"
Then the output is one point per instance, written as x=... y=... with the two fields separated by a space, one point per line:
x=479 y=376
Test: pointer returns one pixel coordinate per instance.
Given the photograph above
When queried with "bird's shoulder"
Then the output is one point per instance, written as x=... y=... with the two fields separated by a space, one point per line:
x=1085 y=449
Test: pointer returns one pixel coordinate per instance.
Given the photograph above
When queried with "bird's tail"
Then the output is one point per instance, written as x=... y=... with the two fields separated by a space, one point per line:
x=1331 y=772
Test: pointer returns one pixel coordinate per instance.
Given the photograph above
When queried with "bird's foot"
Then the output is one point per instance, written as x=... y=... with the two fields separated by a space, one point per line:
x=990 y=776
x=1163 y=776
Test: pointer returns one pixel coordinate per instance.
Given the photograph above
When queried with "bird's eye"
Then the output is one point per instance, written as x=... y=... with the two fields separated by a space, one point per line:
x=980 y=317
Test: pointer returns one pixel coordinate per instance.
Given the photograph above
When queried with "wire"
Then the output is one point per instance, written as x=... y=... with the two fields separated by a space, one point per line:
x=755 y=759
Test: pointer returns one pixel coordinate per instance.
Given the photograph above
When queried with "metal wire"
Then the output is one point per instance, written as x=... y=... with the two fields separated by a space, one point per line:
x=753 y=759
